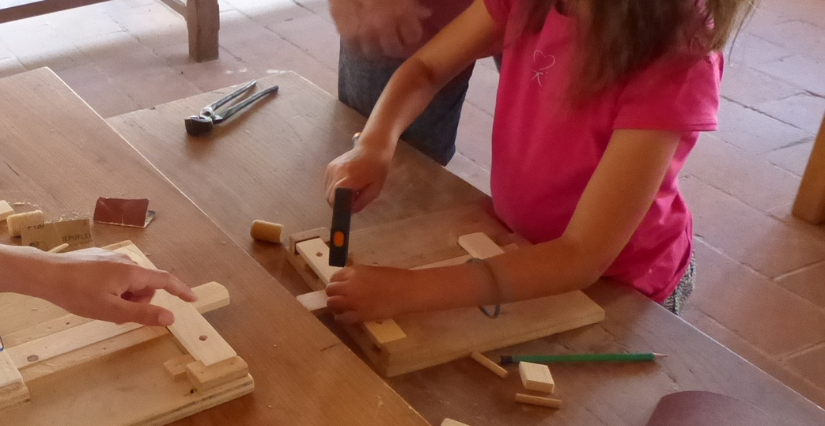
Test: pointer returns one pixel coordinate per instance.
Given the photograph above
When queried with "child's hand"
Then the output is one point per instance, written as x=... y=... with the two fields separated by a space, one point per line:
x=380 y=27
x=365 y=293
x=363 y=169
x=109 y=286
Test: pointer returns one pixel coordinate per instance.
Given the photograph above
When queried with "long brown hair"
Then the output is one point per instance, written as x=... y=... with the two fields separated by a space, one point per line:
x=620 y=37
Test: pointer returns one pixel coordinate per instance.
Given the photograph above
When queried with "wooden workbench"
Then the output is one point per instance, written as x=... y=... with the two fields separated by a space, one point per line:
x=59 y=156
x=268 y=164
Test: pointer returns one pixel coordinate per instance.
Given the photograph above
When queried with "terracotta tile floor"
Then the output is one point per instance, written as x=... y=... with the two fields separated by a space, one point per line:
x=761 y=272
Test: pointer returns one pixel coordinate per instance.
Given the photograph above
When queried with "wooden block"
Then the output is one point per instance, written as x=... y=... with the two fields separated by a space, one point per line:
x=536 y=377
x=451 y=422
x=12 y=389
x=193 y=331
x=315 y=302
x=176 y=367
x=262 y=230
x=316 y=254
x=203 y=24
x=384 y=331
x=5 y=210
x=489 y=364
x=17 y=222
x=59 y=249
x=479 y=245
x=538 y=400
x=204 y=378
x=294 y=239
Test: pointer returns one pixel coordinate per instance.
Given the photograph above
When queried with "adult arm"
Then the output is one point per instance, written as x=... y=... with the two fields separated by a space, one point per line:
x=94 y=283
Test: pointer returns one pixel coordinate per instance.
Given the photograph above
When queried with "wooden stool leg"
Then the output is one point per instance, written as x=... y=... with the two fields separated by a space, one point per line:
x=810 y=201
x=203 y=23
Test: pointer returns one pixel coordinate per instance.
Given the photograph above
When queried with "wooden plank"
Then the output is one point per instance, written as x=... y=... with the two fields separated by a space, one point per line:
x=489 y=364
x=12 y=389
x=203 y=23
x=316 y=254
x=6 y=210
x=21 y=9
x=315 y=302
x=176 y=367
x=479 y=245
x=228 y=370
x=74 y=340
x=810 y=200
x=538 y=400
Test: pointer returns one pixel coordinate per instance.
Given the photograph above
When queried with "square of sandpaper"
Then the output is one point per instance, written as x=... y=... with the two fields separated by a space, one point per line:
x=123 y=211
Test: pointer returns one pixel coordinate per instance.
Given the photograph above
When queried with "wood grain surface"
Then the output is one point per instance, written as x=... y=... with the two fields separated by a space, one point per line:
x=59 y=156
x=268 y=164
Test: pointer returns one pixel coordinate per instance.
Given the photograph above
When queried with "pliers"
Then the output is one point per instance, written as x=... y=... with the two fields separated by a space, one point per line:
x=202 y=123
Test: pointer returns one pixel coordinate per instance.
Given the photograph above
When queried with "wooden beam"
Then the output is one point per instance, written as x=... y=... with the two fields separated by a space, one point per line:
x=810 y=200
x=21 y=9
x=12 y=389
x=315 y=302
x=479 y=245
x=203 y=23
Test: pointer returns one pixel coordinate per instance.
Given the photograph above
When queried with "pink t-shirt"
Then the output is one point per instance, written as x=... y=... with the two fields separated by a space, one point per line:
x=544 y=153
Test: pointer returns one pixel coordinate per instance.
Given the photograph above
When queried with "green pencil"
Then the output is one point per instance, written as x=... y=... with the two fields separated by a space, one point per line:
x=509 y=359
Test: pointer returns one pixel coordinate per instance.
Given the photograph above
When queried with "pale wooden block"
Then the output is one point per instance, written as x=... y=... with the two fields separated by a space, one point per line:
x=489 y=364
x=17 y=222
x=193 y=331
x=176 y=367
x=479 y=245
x=59 y=249
x=5 y=210
x=294 y=239
x=266 y=231
x=451 y=422
x=204 y=378
x=316 y=254
x=536 y=377
x=315 y=301
x=383 y=332
x=538 y=400
x=12 y=389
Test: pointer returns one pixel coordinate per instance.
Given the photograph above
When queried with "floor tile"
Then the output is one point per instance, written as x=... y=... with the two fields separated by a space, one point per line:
x=798 y=37
x=738 y=84
x=751 y=306
x=793 y=158
x=810 y=364
x=474 y=138
x=753 y=238
x=759 y=183
x=754 y=131
x=809 y=284
x=804 y=111
x=798 y=70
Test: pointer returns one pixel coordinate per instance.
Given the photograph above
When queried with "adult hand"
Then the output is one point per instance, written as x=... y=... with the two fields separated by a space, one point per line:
x=109 y=286
x=364 y=169
x=380 y=27
x=364 y=293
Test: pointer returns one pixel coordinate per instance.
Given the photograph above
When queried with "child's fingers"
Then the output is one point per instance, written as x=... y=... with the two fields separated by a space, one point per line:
x=342 y=274
x=348 y=317
x=364 y=197
x=339 y=304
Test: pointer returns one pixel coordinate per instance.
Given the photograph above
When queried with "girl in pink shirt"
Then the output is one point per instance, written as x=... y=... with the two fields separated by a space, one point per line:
x=599 y=104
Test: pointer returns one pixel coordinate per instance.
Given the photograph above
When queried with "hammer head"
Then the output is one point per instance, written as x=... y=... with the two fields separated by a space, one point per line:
x=197 y=125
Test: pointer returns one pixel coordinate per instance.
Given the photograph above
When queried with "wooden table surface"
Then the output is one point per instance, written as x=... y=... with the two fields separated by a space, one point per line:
x=59 y=156
x=268 y=164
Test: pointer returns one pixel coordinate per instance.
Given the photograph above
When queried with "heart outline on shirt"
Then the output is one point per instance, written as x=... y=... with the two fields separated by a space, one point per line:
x=541 y=63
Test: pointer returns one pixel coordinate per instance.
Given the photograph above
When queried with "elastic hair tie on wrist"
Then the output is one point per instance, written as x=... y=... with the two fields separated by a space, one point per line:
x=496 y=289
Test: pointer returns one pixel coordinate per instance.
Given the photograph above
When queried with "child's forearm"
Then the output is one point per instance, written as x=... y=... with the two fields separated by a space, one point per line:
x=536 y=271
x=14 y=269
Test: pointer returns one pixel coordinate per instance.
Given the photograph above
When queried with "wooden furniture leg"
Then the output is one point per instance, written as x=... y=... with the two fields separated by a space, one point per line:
x=810 y=200
x=203 y=23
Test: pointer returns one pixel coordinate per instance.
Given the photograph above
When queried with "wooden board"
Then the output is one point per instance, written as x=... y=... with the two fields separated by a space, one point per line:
x=102 y=346
x=434 y=338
